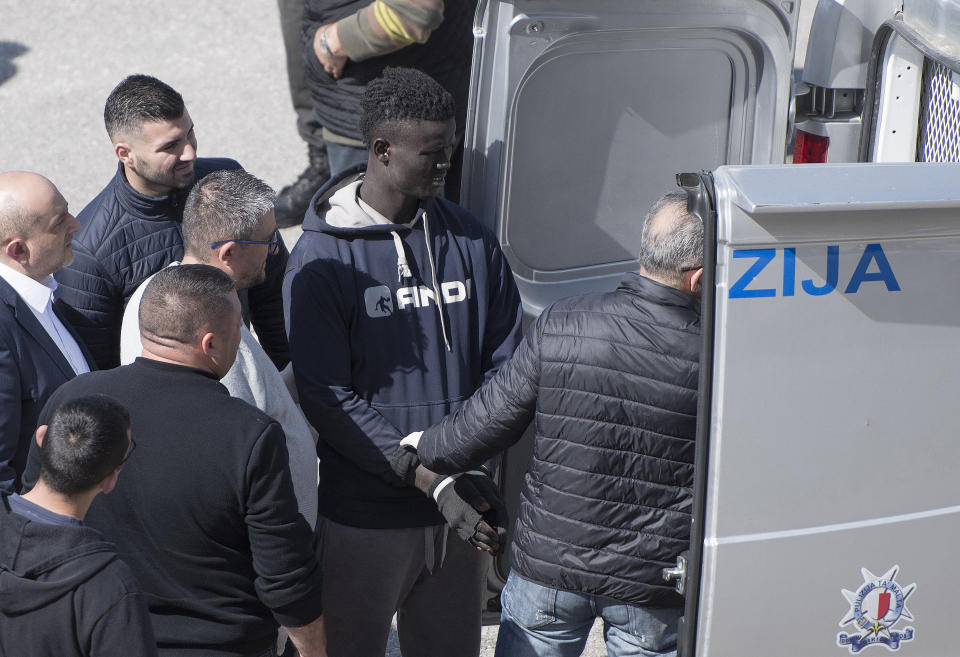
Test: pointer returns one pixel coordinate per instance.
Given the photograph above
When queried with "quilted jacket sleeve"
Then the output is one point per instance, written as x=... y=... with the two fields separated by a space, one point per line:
x=98 y=305
x=493 y=419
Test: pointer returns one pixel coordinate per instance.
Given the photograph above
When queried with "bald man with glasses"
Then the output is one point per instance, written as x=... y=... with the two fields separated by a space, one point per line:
x=228 y=223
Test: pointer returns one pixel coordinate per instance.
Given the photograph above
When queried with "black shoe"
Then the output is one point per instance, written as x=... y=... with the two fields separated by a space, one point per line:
x=292 y=201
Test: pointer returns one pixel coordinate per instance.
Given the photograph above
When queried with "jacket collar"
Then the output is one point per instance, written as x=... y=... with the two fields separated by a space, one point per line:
x=155 y=208
x=173 y=368
x=37 y=294
x=659 y=293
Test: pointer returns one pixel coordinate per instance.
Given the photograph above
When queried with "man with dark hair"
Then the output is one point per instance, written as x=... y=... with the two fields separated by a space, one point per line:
x=228 y=222
x=208 y=521
x=400 y=304
x=39 y=350
x=611 y=380
x=349 y=43
x=63 y=590
x=132 y=228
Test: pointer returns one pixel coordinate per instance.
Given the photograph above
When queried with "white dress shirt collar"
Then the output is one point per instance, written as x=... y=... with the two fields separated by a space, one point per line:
x=37 y=294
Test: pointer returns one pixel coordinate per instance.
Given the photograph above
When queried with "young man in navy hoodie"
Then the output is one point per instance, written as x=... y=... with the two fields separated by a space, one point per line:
x=399 y=305
x=63 y=590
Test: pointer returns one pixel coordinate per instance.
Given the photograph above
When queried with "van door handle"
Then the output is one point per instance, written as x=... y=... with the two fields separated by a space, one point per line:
x=678 y=573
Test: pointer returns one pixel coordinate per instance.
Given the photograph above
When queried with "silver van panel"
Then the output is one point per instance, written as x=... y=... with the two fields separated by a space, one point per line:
x=832 y=440
x=581 y=114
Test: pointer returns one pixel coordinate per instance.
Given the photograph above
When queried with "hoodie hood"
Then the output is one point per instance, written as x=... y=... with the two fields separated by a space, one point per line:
x=335 y=209
x=40 y=563
x=345 y=215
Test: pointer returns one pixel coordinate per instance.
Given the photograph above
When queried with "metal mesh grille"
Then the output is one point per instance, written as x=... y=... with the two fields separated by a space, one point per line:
x=939 y=130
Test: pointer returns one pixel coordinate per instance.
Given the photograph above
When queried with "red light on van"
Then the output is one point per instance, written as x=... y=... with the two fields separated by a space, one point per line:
x=810 y=148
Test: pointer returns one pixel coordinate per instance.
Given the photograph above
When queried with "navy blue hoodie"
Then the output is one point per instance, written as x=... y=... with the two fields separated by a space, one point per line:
x=375 y=356
x=65 y=593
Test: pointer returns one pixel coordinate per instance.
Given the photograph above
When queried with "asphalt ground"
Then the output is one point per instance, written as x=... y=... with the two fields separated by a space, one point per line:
x=59 y=59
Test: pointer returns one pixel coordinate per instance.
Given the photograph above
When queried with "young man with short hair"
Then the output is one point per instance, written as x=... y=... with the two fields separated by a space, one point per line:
x=63 y=590
x=132 y=228
x=400 y=304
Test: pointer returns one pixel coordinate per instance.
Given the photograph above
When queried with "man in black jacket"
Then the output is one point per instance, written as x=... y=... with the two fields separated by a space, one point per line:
x=132 y=228
x=348 y=43
x=63 y=590
x=205 y=515
x=612 y=382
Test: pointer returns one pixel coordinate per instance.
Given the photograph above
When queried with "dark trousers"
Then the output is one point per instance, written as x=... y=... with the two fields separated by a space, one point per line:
x=430 y=578
x=291 y=25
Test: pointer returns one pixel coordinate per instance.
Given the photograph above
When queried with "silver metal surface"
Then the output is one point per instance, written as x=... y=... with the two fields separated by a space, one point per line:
x=679 y=574
x=581 y=114
x=939 y=124
x=833 y=434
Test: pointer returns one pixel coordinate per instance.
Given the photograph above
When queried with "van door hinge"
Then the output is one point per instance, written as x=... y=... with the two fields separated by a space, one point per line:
x=678 y=573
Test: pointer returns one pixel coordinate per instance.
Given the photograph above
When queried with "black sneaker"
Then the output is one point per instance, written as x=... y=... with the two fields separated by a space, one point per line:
x=292 y=201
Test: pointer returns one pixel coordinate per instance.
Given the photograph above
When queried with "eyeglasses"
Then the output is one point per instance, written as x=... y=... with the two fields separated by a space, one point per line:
x=133 y=446
x=274 y=244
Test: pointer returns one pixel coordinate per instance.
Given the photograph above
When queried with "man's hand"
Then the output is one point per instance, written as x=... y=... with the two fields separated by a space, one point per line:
x=309 y=640
x=471 y=505
x=331 y=55
x=469 y=501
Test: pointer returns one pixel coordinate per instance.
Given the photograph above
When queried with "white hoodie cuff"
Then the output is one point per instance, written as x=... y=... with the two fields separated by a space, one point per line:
x=412 y=440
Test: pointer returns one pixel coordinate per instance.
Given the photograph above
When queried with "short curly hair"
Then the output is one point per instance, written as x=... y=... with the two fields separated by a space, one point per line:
x=403 y=94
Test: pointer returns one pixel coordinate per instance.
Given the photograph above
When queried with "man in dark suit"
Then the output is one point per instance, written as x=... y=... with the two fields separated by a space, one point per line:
x=39 y=350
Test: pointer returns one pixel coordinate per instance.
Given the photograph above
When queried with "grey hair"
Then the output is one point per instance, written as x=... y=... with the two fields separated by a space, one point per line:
x=672 y=238
x=226 y=204
x=15 y=221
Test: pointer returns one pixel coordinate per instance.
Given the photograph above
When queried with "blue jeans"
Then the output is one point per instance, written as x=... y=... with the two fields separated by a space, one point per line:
x=538 y=621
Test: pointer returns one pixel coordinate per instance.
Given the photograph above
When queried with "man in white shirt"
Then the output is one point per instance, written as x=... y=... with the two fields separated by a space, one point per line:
x=39 y=350
x=228 y=222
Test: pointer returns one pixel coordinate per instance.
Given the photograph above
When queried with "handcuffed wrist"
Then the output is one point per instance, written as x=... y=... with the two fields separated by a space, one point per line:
x=439 y=485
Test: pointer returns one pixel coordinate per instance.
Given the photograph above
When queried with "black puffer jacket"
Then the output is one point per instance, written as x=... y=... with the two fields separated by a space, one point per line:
x=611 y=381
x=445 y=57
x=127 y=237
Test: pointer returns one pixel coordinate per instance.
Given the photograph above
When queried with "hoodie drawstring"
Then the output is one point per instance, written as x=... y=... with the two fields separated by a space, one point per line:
x=436 y=286
x=403 y=269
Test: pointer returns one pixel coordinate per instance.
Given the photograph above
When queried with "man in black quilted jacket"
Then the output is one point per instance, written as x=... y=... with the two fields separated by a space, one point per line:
x=131 y=230
x=611 y=380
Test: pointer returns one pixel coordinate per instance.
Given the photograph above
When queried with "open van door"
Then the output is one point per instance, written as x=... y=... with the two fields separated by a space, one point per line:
x=582 y=111
x=827 y=501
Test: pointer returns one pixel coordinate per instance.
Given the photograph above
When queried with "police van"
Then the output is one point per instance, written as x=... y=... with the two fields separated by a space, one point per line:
x=824 y=488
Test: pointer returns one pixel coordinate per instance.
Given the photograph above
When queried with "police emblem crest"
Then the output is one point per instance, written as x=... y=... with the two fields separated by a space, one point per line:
x=875 y=608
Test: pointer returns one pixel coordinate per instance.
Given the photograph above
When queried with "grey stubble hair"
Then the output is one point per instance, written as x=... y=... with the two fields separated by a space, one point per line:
x=226 y=204
x=672 y=238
